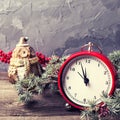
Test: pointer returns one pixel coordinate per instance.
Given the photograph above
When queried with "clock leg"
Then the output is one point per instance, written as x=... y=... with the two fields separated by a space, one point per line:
x=68 y=106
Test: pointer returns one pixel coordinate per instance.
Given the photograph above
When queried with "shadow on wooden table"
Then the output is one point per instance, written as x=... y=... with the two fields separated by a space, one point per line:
x=43 y=105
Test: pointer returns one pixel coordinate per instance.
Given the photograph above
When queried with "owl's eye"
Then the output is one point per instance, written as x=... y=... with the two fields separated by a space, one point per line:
x=24 y=52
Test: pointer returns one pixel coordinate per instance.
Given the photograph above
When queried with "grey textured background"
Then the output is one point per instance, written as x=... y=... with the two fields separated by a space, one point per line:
x=59 y=26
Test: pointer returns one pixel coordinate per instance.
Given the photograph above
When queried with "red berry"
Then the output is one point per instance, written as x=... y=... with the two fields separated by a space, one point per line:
x=1 y=51
x=2 y=59
x=37 y=54
x=8 y=61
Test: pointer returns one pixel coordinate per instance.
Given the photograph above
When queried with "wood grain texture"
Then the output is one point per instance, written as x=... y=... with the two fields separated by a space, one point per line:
x=44 y=107
x=4 y=76
x=48 y=106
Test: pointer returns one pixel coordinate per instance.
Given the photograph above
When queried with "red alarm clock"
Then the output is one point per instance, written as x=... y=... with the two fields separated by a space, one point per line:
x=84 y=76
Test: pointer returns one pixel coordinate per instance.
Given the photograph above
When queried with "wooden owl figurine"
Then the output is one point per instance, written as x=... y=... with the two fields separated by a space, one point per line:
x=23 y=62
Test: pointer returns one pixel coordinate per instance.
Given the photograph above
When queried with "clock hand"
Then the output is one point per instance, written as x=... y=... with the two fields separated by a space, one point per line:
x=81 y=76
x=86 y=80
x=82 y=70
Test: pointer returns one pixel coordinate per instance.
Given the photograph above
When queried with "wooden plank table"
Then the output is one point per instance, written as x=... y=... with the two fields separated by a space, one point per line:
x=44 y=107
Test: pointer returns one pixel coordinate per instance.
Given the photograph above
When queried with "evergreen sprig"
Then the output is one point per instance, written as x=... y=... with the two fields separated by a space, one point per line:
x=32 y=84
x=29 y=86
x=90 y=113
x=115 y=59
x=112 y=102
x=51 y=71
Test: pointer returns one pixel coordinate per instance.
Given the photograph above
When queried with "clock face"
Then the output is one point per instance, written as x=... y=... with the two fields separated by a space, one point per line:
x=84 y=78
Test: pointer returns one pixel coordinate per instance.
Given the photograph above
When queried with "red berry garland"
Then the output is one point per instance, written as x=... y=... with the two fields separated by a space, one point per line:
x=42 y=58
x=5 y=57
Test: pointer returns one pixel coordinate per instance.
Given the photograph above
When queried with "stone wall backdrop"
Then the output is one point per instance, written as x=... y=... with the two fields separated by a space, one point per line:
x=60 y=26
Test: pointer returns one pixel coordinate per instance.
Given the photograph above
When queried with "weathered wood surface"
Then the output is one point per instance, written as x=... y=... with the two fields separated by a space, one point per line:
x=45 y=107
x=4 y=76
